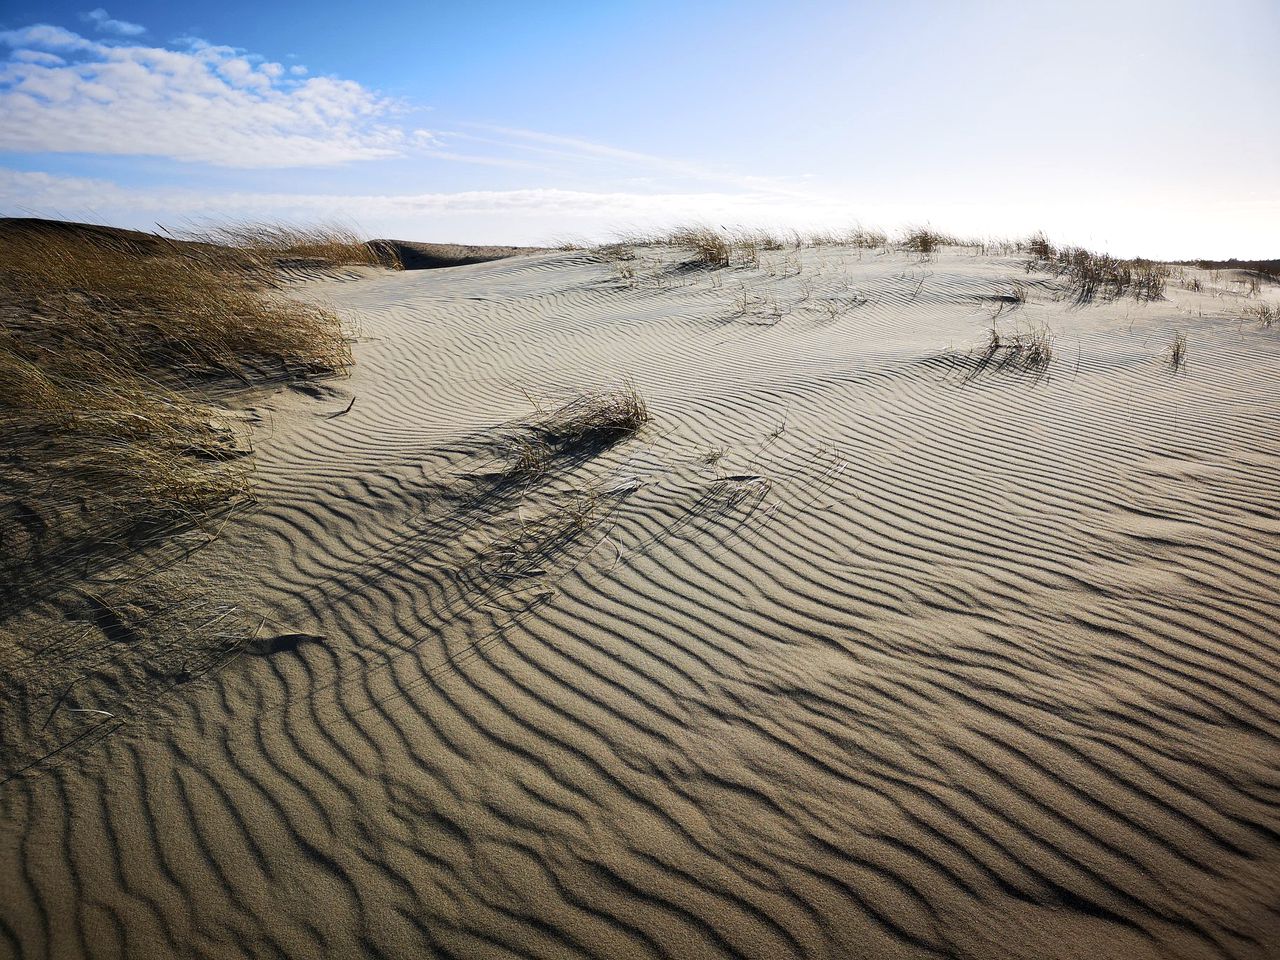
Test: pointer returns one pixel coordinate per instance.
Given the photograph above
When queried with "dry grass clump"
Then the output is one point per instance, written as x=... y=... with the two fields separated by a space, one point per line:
x=109 y=345
x=1015 y=297
x=1099 y=275
x=585 y=423
x=717 y=247
x=858 y=237
x=279 y=242
x=617 y=251
x=867 y=239
x=94 y=462
x=1266 y=314
x=1038 y=246
x=924 y=240
x=1177 y=352
x=594 y=416
x=710 y=247
x=1028 y=351
x=528 y=455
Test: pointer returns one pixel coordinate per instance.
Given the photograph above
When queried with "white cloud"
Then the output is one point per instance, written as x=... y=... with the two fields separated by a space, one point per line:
x=46 y=36
x=60 y=92
x=103 y=23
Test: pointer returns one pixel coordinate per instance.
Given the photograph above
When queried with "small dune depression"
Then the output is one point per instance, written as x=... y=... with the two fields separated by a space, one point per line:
x=720 y=592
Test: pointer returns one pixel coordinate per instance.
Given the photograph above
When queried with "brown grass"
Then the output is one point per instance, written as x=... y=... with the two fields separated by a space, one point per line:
x=867 y=239
x=528 y=456
x=278 y=243
x=594 y=416
x=858 y=237
x=1093 y=276
x=710 y=247
x=717 y=247
x=1177 y=352
x=171 y=309
x=586 y=423
x=1025 y=351
x=1038 y=246
x=925 y=241
x=111 y=353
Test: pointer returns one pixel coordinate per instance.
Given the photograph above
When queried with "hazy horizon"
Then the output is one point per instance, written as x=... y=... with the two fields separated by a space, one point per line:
x=1135 y=127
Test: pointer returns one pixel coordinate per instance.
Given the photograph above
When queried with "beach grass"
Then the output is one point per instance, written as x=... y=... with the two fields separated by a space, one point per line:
x=116 y=352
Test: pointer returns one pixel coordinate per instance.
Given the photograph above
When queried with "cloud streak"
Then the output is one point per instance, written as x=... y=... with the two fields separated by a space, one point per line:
x=578 y=149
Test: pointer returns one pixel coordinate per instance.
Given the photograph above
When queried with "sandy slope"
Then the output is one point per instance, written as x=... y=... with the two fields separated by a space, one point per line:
x=922 y=665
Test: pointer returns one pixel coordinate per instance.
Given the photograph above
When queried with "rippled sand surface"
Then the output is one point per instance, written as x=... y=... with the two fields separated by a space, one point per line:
x=857 y=652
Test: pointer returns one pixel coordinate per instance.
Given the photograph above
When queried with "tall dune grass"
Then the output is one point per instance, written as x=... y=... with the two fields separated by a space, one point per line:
x=274 y=242
x=112 y=350
x=1098 y=275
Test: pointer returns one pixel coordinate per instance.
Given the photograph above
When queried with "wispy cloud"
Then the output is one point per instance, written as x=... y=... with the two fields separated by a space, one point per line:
x=583 y=150
x=104 y=23
x=61 y=92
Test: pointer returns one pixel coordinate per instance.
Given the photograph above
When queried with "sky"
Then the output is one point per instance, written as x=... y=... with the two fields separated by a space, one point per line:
x=1142 y=127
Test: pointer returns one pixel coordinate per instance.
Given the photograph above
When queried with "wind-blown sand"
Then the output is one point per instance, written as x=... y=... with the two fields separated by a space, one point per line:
x=922 y=664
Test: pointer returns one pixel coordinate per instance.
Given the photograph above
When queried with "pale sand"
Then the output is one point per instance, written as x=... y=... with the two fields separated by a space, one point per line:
x=922 y=666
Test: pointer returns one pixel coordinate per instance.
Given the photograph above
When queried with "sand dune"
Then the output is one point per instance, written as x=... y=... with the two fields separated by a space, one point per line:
x=859 y=651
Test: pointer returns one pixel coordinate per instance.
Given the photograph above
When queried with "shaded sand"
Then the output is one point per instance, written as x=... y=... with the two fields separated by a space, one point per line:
x=432 y=256
x=853 y=655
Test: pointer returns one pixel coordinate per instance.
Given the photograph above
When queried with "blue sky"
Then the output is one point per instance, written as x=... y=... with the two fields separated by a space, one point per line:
x=1141 y=127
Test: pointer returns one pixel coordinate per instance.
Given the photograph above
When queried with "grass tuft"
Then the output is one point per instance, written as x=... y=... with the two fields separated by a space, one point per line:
x=1026 y=351
x=925 y=241
x=1038 y=246
x=594 y=416
x=1177 y=352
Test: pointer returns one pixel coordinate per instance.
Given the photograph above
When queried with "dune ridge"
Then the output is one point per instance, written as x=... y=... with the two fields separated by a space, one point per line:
x=858 y=653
